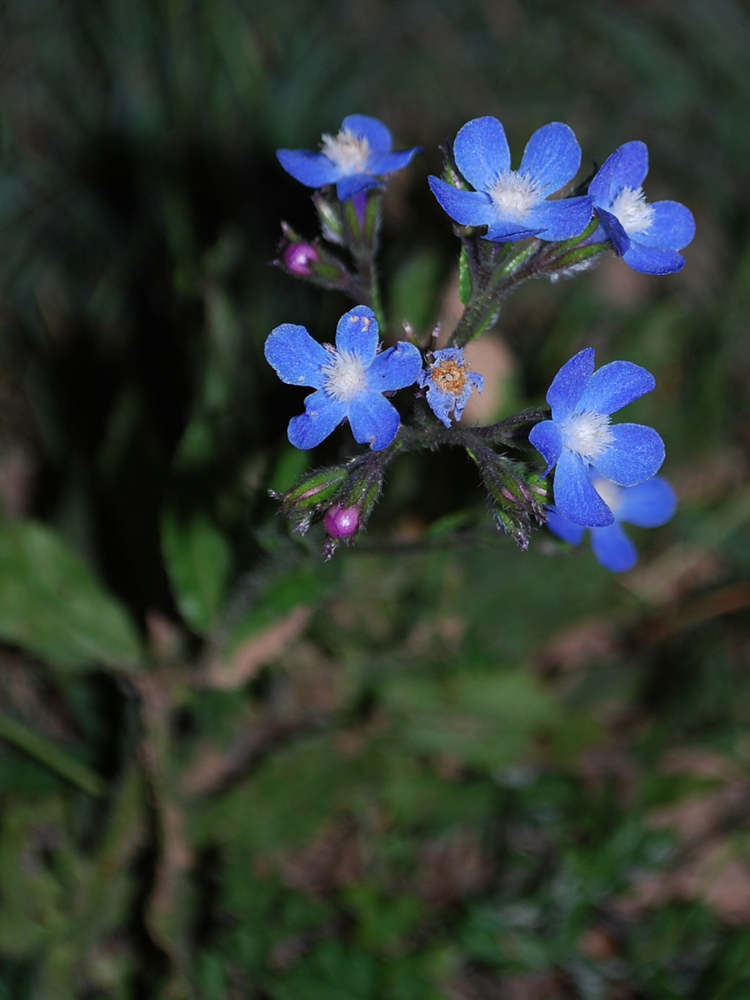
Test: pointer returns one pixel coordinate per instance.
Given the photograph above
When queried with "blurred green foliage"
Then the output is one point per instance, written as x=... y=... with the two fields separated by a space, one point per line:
x=430 y=769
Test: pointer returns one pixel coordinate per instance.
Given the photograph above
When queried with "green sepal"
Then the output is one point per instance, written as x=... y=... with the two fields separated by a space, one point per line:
x=311 y=494
x=517 y=498
x=329 y=216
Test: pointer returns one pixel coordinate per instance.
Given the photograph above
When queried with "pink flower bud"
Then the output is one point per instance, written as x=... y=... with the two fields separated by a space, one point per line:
x=298 y=257
x=341 y=522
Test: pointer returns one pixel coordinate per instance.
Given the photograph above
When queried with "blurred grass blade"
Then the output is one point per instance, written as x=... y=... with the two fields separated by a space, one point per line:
x=49 y=754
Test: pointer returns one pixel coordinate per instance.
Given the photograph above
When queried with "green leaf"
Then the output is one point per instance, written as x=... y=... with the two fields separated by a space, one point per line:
x=198 y=562
x=52 y=605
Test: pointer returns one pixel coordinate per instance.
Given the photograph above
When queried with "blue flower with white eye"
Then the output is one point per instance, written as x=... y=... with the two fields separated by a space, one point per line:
x=647 y=237
x=355 y=159
x=449 y=384
x=647 y=505
x=349 y=379
x=513 y=203
x=580 y=436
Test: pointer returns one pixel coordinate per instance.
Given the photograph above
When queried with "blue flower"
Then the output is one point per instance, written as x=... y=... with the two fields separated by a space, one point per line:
x=354 y=160
x=449 y=384
x=648 y=505
x=349 y=378
x=580 y=436
x=513 y=203
x=647 y=237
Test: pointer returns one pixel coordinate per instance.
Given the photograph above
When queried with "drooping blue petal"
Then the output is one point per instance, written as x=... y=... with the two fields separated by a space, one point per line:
x=441 y=403
x=322 y=414
x=604 y=186
x=649 y=504
x=614 y=386
x=615 y=231
x=311 y=169
x=632 y=165
x=636 y=454
x=575 y=497
x=547 y=440
x=563 y=528
x=467 y=208
x=347 y=187
x=508 y=231
x=295 y=356
x=552 y=157
x=386 y=163
x=373 y=420
x=652 y=260
x=672 y=226
x=569 y=384
x=481 y=152
x=613 y=549
x=561 y=220
x=396 y=368
x=371 y=129
x=357 y=333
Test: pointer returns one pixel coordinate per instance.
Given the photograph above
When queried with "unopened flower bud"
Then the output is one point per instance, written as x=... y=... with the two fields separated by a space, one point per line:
x=341 y=522
x=298 y=257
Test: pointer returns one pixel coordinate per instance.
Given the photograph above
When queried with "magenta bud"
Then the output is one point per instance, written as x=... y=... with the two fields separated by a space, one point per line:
x=298 y=258
x=341 y=522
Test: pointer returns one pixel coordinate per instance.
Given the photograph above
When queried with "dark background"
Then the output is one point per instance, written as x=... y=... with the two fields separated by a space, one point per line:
x=461 y=771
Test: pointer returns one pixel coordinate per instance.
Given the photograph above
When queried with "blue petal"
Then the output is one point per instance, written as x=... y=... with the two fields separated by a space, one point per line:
x=631 y=167
x=615 y=231
x=467 y=208
x=312 y=169
x=552 y=157
x=561 y=220
x=547 y=440
x=649 y=504
x=371 y=129
x=569 y=384
x=636 y=454
x=652 y=260
x=295 y=356
x=322 y=414
x=614 y=386
x=613 y=549
x=386 y=163
x=373 y=419
x=347 y=187
x=395 y=368
x=575 y=497
x=481 y=152
x=357 y=333
x=508 y=231
x=563 y=528
x=672 y=226
x=604 y=186
x=441 y=403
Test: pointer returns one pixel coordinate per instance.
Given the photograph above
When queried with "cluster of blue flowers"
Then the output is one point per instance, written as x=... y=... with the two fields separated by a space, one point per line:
x=515 y=204
x=604 y=473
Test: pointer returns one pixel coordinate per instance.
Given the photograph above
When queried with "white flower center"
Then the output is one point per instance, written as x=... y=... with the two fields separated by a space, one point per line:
x=344 y=378
x=588 y=435
x=632 y=210
x=514 y=194
x=349 y=152
x=610 y=493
